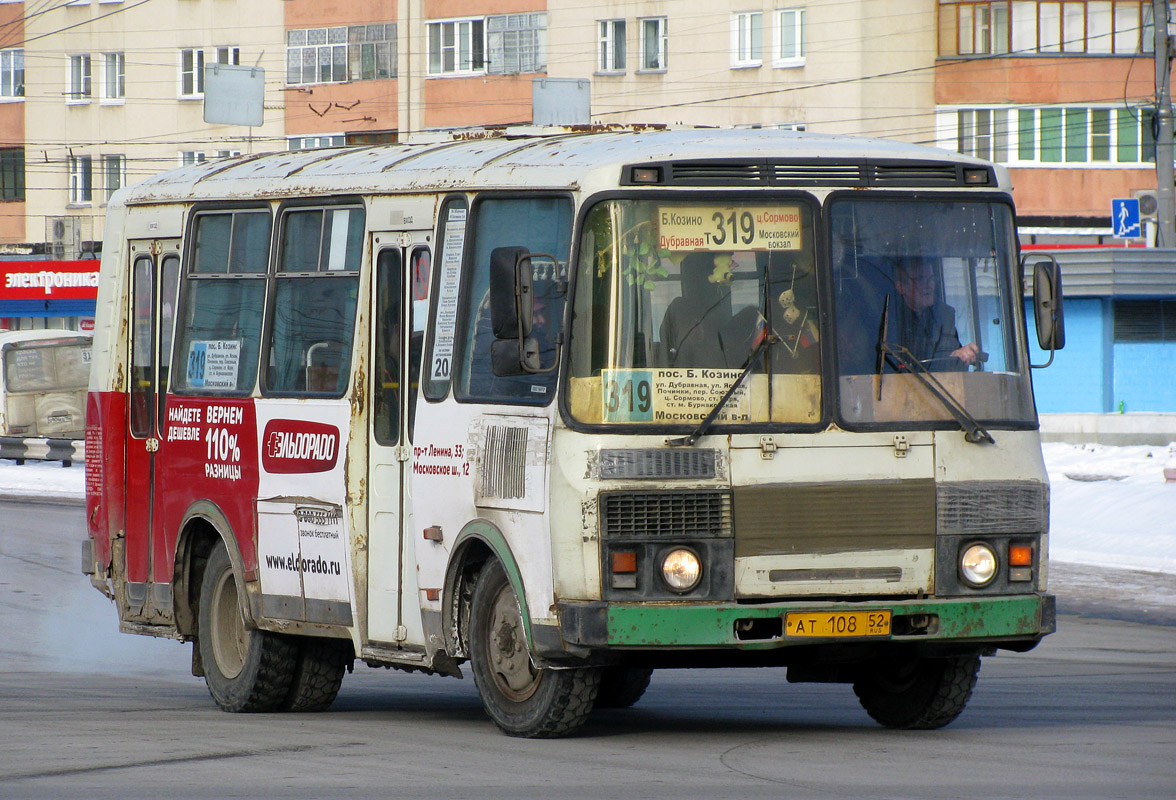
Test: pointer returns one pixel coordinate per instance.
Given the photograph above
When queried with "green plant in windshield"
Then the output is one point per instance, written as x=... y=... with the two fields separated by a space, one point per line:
x=640 y=258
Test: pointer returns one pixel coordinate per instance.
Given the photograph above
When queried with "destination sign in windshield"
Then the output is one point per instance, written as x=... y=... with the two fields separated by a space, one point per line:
x=729 y=227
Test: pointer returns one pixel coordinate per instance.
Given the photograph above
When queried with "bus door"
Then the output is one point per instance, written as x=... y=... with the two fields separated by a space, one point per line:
x=155 y=271
x=399 y=298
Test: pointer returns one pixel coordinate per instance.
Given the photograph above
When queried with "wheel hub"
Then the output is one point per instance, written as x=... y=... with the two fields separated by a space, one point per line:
x=509 y=659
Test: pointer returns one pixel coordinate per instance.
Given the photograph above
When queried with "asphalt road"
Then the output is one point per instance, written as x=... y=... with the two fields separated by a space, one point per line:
x=87 y=712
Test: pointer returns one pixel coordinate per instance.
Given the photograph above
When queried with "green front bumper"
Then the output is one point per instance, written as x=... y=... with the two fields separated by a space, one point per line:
x=653 y=625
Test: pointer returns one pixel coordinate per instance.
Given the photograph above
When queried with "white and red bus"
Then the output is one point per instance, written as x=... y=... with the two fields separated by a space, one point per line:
x=568 y=408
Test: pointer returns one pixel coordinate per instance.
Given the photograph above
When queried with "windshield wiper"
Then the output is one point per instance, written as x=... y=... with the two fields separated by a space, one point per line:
x=973 y=432
x=769 y=339
x=880 y=361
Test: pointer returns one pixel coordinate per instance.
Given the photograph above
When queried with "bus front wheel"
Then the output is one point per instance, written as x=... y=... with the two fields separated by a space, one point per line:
x=521 y=699
x=917 y=693
x=246 y=670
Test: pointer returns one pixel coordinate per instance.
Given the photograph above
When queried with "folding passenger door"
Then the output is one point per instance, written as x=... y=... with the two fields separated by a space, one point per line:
x=399 y=296
x=155 y=271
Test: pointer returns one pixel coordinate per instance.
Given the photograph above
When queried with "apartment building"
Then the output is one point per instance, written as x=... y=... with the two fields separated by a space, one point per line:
x=857 y=68
x=1062 y=93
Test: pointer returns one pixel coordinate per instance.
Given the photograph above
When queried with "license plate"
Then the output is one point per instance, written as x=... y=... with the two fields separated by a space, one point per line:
x=834 y=624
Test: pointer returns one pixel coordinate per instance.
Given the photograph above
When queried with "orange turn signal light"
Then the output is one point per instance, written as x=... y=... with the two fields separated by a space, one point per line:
x=1020 y=555
x=624 y=562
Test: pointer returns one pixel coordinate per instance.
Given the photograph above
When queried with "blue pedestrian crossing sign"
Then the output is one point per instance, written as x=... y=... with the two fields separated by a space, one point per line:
x=1125 y=218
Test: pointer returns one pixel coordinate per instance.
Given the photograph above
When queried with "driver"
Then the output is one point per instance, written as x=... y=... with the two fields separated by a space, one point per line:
x=924 y=324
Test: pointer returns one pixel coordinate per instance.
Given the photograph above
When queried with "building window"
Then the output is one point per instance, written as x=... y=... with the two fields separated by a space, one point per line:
x=114 y=172
x=114 y=76
x=190 y=157
x=456 y=47
x=789 y=38
x=516 y=43
x=191 y=72
x=79 y=78
x=341 y=53
x=1030 y=27
x=1145 y=320
x=81 y=180
x=612 y=45
x=12 y=173
x=12 y=73
x=653 y=43
x=315 y=142
x=747 y=39
x=229 y=55
x=1055 y=135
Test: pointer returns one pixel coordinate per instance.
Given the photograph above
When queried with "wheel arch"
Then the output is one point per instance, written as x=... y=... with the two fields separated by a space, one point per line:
x=203 y=525
x=478 y=541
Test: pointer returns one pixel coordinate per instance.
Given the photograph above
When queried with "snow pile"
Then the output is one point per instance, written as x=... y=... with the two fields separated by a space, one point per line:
x=1109 y=506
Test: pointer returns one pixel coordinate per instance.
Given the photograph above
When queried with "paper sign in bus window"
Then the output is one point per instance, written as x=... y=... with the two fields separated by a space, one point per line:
x=671 y=396
x=729 y=227
x=214 y=364
x=442 y=365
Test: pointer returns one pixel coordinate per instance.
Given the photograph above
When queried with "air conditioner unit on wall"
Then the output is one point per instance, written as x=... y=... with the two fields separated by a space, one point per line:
x=63 y=237
x=1149 y=204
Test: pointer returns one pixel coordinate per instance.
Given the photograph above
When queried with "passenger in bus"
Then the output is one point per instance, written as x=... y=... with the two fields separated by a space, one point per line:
x=695 y=321
x=923 y=323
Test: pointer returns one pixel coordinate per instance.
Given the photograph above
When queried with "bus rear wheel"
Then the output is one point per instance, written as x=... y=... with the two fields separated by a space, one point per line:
x=521 y=700
x=318 y=673
x=917 y=693
x=246 y=670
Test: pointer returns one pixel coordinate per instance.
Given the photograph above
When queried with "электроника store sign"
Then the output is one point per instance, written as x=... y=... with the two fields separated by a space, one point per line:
x=48 y=288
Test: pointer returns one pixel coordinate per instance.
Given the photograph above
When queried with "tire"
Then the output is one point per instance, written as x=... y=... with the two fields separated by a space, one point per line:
x=246 y=670
x=621 y=687
x=521 y=700
x=318 y=674
x=917 y=693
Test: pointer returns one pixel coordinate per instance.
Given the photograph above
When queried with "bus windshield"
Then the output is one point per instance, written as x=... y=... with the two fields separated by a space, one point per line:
x=931 y=283
x=675 y=296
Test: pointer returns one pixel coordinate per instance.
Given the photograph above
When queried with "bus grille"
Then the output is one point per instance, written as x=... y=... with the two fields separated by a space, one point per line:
x=653 y=464
x=791 y=519
x=992 y=507
x=657 y=514
x=504 y=462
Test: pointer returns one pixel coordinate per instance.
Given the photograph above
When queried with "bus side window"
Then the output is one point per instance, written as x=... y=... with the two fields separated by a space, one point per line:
x=314 y=302
x=222 y=298
x=542 y=225
x=386 y=417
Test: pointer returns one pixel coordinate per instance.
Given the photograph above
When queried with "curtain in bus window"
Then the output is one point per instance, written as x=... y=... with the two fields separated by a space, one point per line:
x=542 y=225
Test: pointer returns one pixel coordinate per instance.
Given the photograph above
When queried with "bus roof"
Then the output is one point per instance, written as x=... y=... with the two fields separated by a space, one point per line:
x=43 y=335
x=531 y=157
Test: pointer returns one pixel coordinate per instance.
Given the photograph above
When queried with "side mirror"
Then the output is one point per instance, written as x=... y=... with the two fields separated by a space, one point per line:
x=512 y=304
x=509 y=358
x=511 y=297
x=1047 y=306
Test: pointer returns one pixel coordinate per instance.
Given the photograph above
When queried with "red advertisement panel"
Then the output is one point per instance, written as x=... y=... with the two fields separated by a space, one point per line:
x=49 y=280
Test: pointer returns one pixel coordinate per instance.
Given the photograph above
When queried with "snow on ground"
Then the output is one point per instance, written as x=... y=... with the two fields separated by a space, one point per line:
x=1109 y=506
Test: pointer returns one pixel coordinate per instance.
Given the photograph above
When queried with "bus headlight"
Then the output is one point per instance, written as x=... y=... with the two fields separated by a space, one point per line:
x=681 y=569
x=978 y=565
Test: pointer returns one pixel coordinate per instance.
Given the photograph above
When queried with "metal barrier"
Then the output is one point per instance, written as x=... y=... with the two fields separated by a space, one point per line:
x=19 y=449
